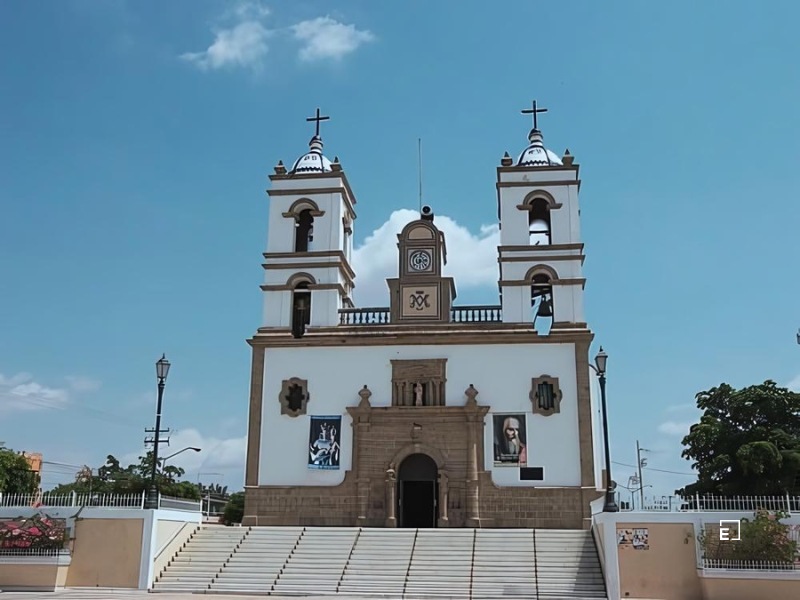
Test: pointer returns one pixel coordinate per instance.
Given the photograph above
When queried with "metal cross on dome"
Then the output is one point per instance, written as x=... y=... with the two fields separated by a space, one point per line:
x=317 y=118
x=535 y=111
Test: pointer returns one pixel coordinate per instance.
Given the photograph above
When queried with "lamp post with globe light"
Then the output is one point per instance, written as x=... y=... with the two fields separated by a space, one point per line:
x=162 y=370
x=600 y=368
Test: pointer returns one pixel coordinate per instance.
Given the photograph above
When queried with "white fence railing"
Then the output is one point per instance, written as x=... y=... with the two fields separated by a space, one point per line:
x=186 y=504
x=96 y=500
x=748 y=565
x=6 y=552
x=712 y=503
x=74 y=499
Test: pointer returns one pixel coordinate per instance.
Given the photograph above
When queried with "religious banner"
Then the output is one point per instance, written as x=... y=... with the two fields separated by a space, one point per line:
x=510 y=441
x=324 y=439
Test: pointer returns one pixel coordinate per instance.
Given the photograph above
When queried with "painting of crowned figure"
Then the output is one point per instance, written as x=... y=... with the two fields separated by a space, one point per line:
x=324 y=442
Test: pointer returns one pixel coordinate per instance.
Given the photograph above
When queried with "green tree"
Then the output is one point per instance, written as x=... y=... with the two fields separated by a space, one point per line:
x=763 y=538
x=16 y=476
x=111 y=478
x=234 y=509
x=746 y=443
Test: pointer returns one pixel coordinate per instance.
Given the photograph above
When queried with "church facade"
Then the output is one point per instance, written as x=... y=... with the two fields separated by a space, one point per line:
x=424 y=413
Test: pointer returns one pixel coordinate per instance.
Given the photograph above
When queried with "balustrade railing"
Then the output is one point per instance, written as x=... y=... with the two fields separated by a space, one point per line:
x=364 y=316
x=458 y=314
x=476 y=314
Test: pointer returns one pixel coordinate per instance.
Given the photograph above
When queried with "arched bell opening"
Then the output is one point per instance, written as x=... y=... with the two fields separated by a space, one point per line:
x=301 y=309
x=539 y=222
x=542 y=302
x=304 y=231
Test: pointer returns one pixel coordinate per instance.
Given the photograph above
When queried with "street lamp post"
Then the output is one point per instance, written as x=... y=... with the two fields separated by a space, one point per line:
x=600 y=368
x=162 y=370
x=166 y=458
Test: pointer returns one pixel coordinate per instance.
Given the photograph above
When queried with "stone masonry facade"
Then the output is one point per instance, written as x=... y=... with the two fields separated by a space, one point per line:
x=453 y=437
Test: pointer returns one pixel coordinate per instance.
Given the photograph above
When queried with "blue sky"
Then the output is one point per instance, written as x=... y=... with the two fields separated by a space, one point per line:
x=137 y=137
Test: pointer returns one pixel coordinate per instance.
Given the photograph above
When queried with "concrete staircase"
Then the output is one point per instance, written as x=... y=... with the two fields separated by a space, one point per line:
x=258 y=561
x=379 y=561
x=476 y=564
x=199 y=561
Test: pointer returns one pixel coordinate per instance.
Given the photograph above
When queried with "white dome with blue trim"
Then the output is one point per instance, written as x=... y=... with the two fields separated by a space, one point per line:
x=536 y=155
x=312 y=161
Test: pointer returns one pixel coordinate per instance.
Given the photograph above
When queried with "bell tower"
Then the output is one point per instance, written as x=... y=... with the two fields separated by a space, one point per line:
x=540 y=253
x=420 y=293
x=309 y=242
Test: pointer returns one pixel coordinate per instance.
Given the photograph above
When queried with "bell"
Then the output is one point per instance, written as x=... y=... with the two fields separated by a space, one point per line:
x=545 y=307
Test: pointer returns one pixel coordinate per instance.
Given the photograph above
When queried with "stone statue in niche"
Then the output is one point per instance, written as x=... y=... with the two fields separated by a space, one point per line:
x=419 y=394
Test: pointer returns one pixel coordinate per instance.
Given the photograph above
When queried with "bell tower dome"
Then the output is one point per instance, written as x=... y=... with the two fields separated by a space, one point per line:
x=309 y=242
x=540 y=253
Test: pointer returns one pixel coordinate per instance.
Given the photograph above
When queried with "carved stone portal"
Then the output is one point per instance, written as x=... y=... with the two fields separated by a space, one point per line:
x=545 y=395
x=419 y=382
x=294 y=397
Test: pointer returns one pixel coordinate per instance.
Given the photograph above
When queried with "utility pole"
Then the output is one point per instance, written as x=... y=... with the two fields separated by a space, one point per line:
x=641 y=462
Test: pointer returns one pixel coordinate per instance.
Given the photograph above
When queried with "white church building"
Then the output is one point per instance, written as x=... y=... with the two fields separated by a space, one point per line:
x=424 y=413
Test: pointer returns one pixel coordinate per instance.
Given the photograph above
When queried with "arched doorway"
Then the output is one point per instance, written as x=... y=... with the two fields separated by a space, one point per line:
x=417 y=492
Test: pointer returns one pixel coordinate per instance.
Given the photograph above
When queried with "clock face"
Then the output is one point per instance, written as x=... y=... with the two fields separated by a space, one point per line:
x=420 y=260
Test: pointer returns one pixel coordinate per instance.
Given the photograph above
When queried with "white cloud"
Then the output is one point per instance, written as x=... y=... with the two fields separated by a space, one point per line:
x=680 y=428
x=82 y=384
x=20 y=392
x=471 y=258
x=248 y=11
x=794 y=384
x=243 y=45
x=325 y=38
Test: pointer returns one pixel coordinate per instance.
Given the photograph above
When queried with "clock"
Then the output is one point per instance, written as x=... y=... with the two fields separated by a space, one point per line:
x=420 y=260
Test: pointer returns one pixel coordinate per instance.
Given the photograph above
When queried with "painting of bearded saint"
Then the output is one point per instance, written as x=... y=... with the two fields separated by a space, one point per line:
x=324 y=442
x=510 y=443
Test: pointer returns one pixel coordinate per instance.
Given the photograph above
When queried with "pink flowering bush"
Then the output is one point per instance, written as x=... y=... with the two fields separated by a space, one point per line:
x=38 y=531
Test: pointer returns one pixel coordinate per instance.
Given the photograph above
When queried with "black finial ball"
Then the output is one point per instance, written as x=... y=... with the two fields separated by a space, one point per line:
x=426 y=213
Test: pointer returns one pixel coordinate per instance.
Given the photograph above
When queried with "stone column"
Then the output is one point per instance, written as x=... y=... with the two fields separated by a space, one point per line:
x=256 y=414
x=360 y=416
x=474 y=430
x=472 y=476
x=444 y=498
x=391 y=498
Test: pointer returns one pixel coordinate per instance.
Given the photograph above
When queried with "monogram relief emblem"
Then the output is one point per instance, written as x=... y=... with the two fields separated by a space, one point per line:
x=419 y=300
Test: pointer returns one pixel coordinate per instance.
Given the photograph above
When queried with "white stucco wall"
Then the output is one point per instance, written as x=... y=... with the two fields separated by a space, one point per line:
x=567 y=304
x=565 y=226
x=565 y=229
x=328 y=235
x=328 y=229
x=501 y=373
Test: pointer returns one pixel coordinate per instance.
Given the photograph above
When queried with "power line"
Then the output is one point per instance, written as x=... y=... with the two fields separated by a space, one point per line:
x=60 y=464
x=653 y=469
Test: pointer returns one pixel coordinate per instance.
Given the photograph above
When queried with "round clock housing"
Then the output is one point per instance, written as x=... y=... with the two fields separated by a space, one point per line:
x=420 y=260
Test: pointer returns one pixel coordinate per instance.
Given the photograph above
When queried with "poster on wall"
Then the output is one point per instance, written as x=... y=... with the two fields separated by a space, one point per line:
x=638 y=539
x=510 y=441
x=324 y=439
